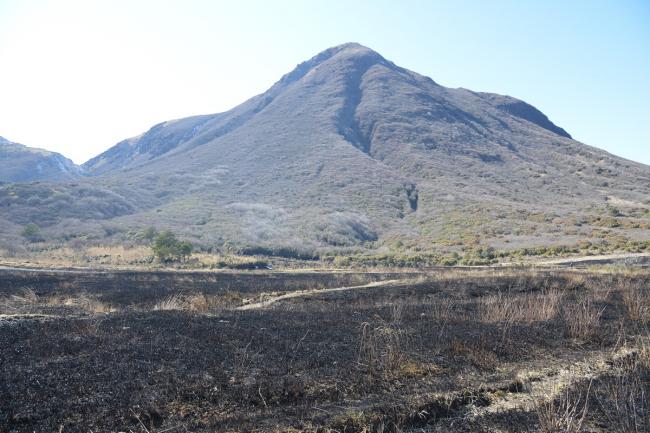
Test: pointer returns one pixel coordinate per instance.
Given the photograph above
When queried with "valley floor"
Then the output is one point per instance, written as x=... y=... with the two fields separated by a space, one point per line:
x=451 y=350
x=141 y=258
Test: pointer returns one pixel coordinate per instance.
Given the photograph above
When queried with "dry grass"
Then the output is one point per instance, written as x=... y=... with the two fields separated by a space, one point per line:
x=118 y=256
x=581 y=318
x=27 y=296
x=193 y=302
x=520 y=308
x=637 y=302
x=82 y=301
x=389 y=344
x=119 y=252
x=643 y=358
x=224 y=260
x=10 y=304
x=196 y=302
x=566 y=413
x=623 y=401
x=622 y=396
x=105 y=256
x=475 y=353
x=441 y=313
x=444 y=309
x=383 y=344
x=600 y=289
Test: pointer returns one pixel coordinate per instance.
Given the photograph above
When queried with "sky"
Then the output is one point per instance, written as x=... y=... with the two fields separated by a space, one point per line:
x=77 y=76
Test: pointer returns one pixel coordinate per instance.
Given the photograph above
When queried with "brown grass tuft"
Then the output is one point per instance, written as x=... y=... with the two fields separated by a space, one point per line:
x=382 y=346
x=582 y=318
x=519 y=308
x=477 y=355
x=637 y=303
x=565 y=414
x=82 y=301
x=197 y=302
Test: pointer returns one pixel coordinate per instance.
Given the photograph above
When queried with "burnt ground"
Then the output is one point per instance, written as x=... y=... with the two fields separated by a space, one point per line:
x=468 y=352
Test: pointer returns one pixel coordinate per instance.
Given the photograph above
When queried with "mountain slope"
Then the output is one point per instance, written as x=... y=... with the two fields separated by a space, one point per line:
x=350 y=151
x=19 y=163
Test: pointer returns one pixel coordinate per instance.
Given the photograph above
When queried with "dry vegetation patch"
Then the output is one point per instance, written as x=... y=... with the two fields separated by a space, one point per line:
x=582 y=318
x=487 y=351
x=194 y=302
x=383 y=345
x=28 y=299
x=636 y=298
x=506 y=307
x=566 y=413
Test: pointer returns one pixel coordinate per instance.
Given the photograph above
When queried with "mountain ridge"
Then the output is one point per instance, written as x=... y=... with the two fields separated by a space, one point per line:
x=131 y=148
x=22 y=163
x=350 y=151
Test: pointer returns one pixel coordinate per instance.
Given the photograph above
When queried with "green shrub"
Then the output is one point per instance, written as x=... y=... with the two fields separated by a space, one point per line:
x=615 y=212
x=149 y=233
x=167 y=248
x=32 y=233
x=279 y=251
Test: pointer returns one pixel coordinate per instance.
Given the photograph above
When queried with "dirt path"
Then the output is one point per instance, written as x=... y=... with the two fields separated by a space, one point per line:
x=605 y=259
x=547 y=383
x=538 y=383
x=305 y=293
x=544 y=383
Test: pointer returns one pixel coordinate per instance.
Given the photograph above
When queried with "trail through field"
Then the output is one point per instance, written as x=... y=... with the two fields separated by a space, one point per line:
x=305 y=293
x=535 y=384
x=547 y=383
x=604 y=259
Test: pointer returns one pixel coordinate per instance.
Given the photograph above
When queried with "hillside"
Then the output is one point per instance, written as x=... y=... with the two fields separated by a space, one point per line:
x=19 y=163
x=350 y=152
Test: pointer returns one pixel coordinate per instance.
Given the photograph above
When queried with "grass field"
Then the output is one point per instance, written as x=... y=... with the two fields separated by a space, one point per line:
x=492 y=350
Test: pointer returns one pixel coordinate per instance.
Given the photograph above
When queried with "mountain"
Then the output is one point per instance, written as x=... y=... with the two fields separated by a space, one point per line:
x=350 y=152
x=19 y=163
x=355 y=61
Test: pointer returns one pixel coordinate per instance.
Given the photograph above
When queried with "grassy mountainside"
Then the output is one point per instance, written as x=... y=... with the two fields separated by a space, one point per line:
x=19 y=163
x=349 y=152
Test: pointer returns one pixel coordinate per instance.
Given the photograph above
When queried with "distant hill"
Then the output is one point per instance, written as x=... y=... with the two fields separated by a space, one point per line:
x=350 y=152
x=19 y=163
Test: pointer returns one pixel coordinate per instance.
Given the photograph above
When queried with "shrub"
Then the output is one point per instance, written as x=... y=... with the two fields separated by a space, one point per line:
x=149 y=233
x=32 y=232
x=613 y=211
x=167 y=248
x=279 y=251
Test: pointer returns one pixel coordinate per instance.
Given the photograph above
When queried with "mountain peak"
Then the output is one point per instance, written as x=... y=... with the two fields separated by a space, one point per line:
x=346 y=50
x=352 y=47
x=353 y=50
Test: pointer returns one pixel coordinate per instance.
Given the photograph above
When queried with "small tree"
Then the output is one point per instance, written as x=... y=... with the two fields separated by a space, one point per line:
x=185 y=250
x=167 y=248
x=163 y=246
x=149 y=233
x=32 y=232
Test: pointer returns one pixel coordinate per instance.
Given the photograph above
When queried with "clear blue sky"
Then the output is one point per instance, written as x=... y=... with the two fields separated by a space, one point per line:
x=78 y=76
